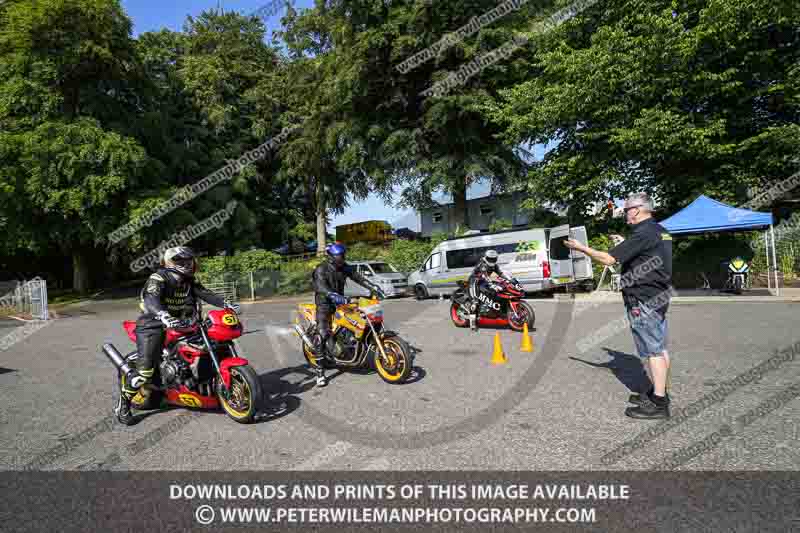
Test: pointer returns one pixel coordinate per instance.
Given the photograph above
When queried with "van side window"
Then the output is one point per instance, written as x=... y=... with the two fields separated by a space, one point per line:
x=460 y=258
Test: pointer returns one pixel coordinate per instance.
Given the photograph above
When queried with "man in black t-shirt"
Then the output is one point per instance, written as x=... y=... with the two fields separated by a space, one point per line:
x=646 y=280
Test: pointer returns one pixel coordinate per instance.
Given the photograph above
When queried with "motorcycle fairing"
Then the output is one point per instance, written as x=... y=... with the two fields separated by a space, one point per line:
x=225 y=367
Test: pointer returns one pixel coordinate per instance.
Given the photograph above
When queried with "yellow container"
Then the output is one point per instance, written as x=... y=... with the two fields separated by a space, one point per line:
x=368 y=231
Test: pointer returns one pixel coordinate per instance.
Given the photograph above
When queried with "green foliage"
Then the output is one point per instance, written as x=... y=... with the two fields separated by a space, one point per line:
x=500 y=224
x=407 y=256
x=636 y=98
x=97 y=128
x=604 y=244
x=361 y=251
x=255 y=260
x=241 y=263
x=304 y=231
x=296 y=277
x=788 y=262
x=211 y=268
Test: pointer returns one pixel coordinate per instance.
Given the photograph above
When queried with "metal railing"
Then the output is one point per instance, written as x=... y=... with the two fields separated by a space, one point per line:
x=225 y=288
x=27 y=298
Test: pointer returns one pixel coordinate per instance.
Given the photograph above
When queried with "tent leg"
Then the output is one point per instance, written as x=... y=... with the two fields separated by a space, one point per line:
x=769 y=265
x=775 y=261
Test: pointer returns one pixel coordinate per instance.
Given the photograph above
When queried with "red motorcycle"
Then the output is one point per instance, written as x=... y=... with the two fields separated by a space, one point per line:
x=504 y=308
x=200 y=367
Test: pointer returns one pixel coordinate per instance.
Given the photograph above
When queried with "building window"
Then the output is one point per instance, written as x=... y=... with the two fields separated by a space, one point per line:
x=437 y=217
x=486 y=211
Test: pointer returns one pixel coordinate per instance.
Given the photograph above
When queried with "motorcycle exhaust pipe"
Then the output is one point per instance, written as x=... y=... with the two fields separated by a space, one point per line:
x=302 y=334
x=118 y=361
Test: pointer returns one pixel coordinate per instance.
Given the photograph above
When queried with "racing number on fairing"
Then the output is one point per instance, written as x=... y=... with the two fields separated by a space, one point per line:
x=230 y=320
x=189 y=400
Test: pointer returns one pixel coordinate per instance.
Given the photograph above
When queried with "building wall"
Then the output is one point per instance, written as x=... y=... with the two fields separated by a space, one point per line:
x=503 y=206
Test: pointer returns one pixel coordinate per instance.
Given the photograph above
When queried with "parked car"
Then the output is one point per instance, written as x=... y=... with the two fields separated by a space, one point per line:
x=384 y=275
x=538 y=258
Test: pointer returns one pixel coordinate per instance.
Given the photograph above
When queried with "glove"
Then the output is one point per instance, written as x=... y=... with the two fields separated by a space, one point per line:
x=376 y=292
x=232 y=306
x=169 y=321
x=337 y=299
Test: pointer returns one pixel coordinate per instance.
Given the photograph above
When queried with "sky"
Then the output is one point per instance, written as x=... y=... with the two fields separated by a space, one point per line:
x=153 y=15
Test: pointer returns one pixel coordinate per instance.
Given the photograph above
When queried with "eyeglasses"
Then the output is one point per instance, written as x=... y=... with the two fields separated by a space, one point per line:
x=631 y=207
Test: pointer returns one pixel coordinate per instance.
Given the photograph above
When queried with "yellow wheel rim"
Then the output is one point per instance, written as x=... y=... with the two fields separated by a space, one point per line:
x=393 y=360
x=239 y=390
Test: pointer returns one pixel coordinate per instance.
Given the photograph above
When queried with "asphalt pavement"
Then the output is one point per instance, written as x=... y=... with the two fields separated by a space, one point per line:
x=558 y=408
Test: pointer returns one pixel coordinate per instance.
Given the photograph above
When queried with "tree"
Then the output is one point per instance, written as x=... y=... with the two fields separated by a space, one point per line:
x=65 y=66
x=390 y=135
x=676 y=99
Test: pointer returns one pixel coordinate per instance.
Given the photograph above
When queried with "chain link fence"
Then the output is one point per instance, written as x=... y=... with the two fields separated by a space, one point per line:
x=260 y=284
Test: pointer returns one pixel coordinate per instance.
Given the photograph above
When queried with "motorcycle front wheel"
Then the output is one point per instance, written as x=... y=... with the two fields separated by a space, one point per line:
x=456 y=316
x=524 y=314
x=738 y=284
x=397 y=366
x=244 y=393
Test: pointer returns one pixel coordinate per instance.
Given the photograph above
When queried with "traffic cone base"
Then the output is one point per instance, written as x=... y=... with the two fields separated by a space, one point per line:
x=498 y=357
x=527 y=344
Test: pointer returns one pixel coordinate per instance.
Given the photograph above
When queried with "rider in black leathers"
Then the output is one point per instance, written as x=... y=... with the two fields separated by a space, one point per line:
x=168 y=298
x=477 y=280
x=328 y=281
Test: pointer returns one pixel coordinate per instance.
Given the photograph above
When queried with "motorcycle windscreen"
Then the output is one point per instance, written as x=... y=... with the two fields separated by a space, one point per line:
x=581 y=263
x=561 y=266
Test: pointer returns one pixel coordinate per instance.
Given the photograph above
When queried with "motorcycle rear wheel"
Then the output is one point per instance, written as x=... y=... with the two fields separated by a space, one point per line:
x=398 y=367
x=245 y=392
x=526 y=314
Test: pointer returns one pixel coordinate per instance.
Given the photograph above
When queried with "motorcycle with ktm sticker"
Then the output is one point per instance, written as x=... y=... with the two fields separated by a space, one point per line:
x=503 y=307
x=200 y=366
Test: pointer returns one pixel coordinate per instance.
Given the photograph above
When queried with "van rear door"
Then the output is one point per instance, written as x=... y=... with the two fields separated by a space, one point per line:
x=581 y=263
x=561 y=266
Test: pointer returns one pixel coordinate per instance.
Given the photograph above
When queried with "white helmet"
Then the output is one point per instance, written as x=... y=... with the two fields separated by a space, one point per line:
x=490 y=257
x=181 y=260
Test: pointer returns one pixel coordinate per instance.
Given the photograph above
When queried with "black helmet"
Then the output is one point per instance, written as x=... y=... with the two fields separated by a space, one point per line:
x=490 y=257
x=181 y=260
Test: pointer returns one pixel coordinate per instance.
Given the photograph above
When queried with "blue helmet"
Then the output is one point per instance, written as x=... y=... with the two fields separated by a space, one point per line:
x=336 y=252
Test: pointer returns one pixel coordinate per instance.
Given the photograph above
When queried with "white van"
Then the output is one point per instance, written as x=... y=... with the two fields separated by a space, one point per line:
x=538 y=258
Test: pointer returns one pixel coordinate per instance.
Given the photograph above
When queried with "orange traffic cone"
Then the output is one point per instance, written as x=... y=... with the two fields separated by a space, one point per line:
x=527 y=343
x=498 y=357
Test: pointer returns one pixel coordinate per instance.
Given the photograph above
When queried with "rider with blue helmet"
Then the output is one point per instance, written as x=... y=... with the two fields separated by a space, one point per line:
x=328 y=281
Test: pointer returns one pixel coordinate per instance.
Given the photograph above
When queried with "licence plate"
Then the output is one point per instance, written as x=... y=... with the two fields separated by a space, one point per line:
x=564 y=279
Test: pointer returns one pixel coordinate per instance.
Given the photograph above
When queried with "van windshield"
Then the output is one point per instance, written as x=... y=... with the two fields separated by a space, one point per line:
x=383 y=268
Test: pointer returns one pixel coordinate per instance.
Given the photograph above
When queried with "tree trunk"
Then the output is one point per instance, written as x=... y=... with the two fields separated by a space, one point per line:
x=321 y=220
x=460 y=214
x=80 y=271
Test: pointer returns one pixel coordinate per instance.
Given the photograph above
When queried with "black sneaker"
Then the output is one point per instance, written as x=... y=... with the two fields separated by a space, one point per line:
x=647 y=410
x=637 y=399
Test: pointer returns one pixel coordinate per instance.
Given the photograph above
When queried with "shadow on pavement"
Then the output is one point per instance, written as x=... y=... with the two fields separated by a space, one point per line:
x=627 y=368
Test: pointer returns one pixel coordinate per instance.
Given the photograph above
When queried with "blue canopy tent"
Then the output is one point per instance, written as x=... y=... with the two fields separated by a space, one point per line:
x=706 y=215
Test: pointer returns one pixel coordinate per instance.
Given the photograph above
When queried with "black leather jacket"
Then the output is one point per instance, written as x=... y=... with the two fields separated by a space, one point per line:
x=327 y=279
x=483 y=270
x=169 y=291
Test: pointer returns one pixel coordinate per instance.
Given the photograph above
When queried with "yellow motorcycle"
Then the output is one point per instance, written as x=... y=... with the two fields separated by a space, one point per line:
x=360 y=340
